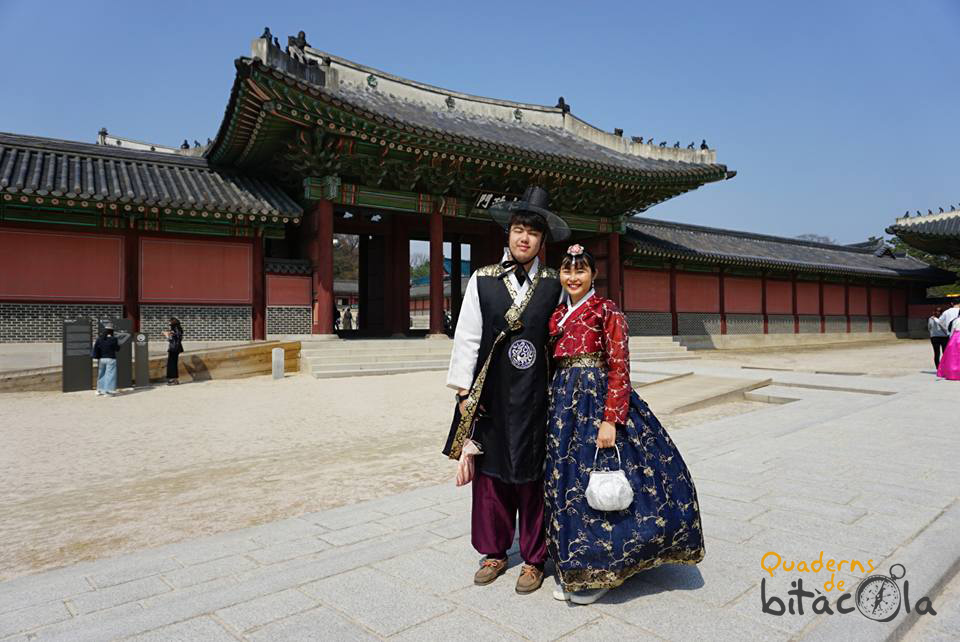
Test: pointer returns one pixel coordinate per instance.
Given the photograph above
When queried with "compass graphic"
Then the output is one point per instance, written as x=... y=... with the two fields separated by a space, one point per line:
x=878 y=596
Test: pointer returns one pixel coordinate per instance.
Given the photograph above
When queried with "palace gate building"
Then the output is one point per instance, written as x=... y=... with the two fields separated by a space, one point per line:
x=237 y=241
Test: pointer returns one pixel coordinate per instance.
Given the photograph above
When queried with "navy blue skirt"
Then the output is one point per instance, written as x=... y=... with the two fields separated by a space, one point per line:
x=599 y=549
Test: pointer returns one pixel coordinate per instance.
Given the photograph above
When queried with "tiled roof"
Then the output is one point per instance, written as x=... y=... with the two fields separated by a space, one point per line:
x=488 y=123
x=540 y=139
x=706 y=244
x=933 y=233
x=46 y=166
x=942 y=224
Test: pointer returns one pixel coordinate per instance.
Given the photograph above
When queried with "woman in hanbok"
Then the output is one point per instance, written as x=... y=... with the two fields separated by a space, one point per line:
x=592 y=409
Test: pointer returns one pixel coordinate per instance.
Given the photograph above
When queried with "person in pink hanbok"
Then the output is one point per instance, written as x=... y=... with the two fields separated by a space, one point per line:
x=950 y=361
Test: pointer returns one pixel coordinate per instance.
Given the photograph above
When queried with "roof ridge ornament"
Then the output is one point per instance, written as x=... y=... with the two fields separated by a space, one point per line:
x=293 y=61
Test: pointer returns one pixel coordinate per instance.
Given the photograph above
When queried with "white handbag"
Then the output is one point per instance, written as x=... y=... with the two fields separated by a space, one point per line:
x=609 y=489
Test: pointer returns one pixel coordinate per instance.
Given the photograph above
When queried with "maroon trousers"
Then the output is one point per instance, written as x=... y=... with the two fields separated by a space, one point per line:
x=495 y=508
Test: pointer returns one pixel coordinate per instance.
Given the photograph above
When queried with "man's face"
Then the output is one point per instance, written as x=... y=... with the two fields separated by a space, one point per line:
x=524 y=242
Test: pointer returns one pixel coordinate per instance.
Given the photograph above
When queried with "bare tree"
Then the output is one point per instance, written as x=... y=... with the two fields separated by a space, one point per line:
x=346 y=257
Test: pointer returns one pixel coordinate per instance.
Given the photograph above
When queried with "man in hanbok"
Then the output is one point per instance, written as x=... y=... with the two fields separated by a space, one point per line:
x=499 y=369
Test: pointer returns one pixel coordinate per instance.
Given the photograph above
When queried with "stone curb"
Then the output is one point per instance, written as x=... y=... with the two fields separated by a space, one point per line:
x=931 y=559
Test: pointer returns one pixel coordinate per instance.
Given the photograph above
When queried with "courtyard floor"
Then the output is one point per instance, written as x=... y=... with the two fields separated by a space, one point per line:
x=306 y=509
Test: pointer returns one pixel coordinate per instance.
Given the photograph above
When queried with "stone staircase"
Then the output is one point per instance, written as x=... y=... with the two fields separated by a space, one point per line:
x=645 y=349
x=363 y=357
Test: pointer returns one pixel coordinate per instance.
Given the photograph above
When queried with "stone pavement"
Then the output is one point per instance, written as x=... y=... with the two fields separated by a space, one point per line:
x=859 y=468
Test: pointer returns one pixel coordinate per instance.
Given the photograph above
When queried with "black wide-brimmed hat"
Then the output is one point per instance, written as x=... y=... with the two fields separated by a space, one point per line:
x=535 y=201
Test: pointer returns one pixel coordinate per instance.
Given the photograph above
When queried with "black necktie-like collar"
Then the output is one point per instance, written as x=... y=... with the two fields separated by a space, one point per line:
x=517 y=270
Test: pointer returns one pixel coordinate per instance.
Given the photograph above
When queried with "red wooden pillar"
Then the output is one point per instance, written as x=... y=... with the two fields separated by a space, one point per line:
x=320 y=250
x=456 y=279
x=131 y=276
x=436 y=272
x=498 y=241
x=823 y=317
x=890 y=307
x=674 y=319
x=796 y=318
x=723 y=304
x=259 y=288
x=400 y=235
x=763 y=303
x=614 y=280
x=869 y=308
x=846 y=303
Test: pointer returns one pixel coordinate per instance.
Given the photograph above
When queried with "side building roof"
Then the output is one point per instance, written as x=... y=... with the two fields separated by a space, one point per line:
x=932 y=233
x=679 y=241
x=31 y=166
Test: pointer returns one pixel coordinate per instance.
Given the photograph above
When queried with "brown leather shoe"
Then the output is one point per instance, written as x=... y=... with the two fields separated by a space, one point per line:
x=490 y=569
x=530 y=579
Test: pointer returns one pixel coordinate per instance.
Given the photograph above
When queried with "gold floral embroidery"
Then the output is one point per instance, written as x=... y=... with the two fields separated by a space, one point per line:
x=585 y=360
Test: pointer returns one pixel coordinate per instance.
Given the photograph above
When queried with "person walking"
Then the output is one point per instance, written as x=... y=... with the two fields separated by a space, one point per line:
x=938 y=336
x=950 y=361
x=174 y=347
x=948 y=318
x=347 y=319
x=105 y=352
x=603 y=527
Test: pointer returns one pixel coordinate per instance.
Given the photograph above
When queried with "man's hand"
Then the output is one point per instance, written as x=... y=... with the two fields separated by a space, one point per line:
x=463 y=402
x=607 y=435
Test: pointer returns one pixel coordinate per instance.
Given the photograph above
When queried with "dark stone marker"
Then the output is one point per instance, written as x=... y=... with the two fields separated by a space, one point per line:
x=141 y=344
x=76 y=369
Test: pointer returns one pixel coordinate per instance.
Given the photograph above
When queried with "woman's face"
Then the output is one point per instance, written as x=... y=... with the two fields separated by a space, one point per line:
x=576 y=279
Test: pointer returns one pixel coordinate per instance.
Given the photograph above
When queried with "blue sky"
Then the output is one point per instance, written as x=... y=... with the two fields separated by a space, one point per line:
x=837 y=116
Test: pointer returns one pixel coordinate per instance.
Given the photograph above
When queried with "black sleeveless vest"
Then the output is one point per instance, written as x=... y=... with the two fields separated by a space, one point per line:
x=513 y=428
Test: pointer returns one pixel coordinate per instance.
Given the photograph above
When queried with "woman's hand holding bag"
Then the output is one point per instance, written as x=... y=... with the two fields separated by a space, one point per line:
x=609 y=490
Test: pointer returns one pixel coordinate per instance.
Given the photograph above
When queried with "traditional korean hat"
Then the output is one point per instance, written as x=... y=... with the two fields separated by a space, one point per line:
x=534 y=201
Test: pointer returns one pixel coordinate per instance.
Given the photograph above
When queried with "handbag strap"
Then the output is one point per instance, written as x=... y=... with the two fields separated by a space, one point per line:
x=619 y=464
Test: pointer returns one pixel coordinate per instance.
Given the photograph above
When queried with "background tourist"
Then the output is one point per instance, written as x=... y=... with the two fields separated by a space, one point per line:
x=938 y=336
x=948 y=319
x=347 y=319
x=105 y=352
x=174 y=347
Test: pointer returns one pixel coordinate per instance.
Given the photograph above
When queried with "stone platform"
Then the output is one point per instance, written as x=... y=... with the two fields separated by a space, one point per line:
x=861 y=468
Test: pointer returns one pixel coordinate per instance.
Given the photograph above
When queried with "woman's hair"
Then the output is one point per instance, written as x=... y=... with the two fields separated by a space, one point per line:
x=585 y=258
x=108 y=332
x=175 y=323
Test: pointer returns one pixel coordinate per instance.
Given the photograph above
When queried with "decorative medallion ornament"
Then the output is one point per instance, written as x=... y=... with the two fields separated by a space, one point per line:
x=522 y=354
x=517 y=114
x=372 y=81
x=451 y=103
